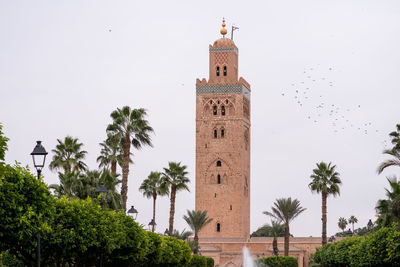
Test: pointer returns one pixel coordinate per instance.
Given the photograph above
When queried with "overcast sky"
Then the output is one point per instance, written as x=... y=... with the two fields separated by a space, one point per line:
x=66 y=65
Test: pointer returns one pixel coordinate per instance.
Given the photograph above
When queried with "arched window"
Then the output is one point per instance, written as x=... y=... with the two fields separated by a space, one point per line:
x=215 y=133
x=215 y=110
x=225 y=71
x=231 y=207
x=223 y=110
x=219 y=179
x=217 y=70
x=218 y=227
x=219 y=163
x=222 y=133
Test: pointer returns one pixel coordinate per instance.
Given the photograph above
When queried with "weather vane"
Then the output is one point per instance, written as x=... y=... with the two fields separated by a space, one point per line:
x=233 y=28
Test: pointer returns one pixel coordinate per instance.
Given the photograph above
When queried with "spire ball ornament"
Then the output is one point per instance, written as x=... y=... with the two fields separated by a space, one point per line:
x=223 y=31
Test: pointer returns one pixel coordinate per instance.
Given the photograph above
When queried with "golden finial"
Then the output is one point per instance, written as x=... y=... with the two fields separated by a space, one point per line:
x=223 y=30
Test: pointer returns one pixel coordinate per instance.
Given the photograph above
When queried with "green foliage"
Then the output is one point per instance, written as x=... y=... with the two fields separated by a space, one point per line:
x=3 y=144
x=8 y=260
x=210 y=262
x=381 y=248
x=196 y=221
x=277 y=261
x=153 y=256
x=198 y=261
x=174 y=252
x=270 y=230
x=25 y=211
x=342 y=223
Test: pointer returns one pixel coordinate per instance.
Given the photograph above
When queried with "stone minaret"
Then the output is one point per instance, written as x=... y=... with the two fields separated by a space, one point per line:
x=223 y=144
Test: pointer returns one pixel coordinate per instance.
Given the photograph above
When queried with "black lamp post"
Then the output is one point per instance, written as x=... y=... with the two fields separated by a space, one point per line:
x=133 y=213
x=39 y=158
x=369 y=224
x=166 y=232
x=152 y=225
x=99 y=190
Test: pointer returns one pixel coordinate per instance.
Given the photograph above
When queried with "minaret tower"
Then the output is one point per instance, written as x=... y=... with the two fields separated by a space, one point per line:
x=223 y=144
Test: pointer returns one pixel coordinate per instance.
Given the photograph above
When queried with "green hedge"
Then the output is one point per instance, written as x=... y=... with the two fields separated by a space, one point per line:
x=278 y=261
x=210 y=262
x=198 y=261
x=381 y=248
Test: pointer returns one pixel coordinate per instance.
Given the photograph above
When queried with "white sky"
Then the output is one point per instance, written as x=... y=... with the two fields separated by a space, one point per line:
x=62 y=72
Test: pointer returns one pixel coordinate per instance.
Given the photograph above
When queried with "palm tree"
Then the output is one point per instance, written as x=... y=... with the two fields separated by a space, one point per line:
x=395 y=135
x=276 y=229
x=325 y=181
x=68 y=156
x=184 y=235
x=285 y=210
x=111 y=152
x=174 y=177
x=385 y=207
x=390 y=162
x=352 y=220
x=68 y=184
x=196 y=221
x=153 y=187
x=134 y=130
x=342 y=223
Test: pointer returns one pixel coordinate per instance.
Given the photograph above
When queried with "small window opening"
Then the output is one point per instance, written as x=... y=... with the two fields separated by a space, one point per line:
x=226 y=101
x=211 y=101
x=219 y=163
x=230 y=207
x=215 y=194
x=219 y=179
x=223 y=110
x=218 y=227
x=217 y=70
x=225 y=71
x=215 y=133
x=222 y=133
x=215 y=110
x=218 y=102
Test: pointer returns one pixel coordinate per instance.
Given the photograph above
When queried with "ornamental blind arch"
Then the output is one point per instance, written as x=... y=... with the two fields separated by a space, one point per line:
x=223 y=106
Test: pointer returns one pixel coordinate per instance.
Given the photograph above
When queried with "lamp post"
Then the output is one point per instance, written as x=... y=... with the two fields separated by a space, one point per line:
x=133 y=213
x=152 y=225
x=39 y=157
x=369 y=224
x=99 y=190
x=166 y=232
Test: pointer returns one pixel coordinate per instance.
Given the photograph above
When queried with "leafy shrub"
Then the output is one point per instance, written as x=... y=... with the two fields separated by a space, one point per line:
x=198 y=261
x=210 y=262
x=381 y=248
x=174 y=252
x=278 y=261
x=8 y=260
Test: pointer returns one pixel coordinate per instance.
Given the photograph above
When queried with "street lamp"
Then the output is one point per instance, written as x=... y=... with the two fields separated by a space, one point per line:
x=133 y=213
x=370 y=224
x=99 y=190
x=39 y=157
x=166 y=232
x=152 y=225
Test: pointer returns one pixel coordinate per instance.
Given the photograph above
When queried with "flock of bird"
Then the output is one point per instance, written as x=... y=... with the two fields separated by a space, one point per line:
x=312 y=90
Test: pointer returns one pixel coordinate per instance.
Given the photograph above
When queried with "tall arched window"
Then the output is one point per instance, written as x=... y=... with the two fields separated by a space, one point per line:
x=218 y=227
x=223 y=110
x=215 y=110
x=215 y=133
x=222 y=133
x=217 y=70
x=219 y=179
x=225 y=71
x=219 y=163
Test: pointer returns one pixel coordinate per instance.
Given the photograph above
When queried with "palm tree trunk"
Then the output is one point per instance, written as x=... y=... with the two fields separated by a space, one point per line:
x=154 y=210
x=353 y=227
x=172 y=210
x=114 y=167
x=324 y=219
x=275 y=246
x=286 y=239
x=125 y=171
x=196 y=243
